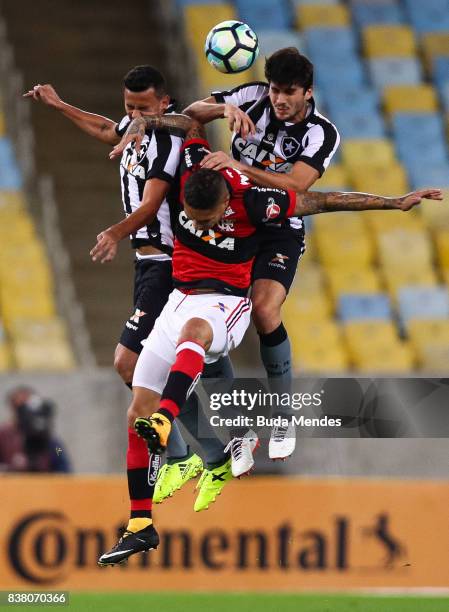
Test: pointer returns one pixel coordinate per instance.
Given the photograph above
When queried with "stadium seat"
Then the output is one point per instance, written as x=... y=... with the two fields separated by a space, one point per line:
x=331 y=74
x=440 y=69
x=372 y=13
x=38 y=331
x=10 y=175
x=388 y=358
x=321 y=15
x=404 y=248
x=434 y=44
x=442 y=246
x=386 y=181
x=436 y=214
x=381 y=221
x=410 y=99
x=364 y=280
x=261 y=13
x=425 y=174
x=334 y=179
x=309 y=281
x=428 y=16
x=413 y=132
x=388 y=41
x=272 y=40
x=358 y=99
x=421 y=333
x=351 y=251
x=434 y=359
x=320 y=359
x=345 y=223
x=378 y=152
x=306 y=307
x=200 y=18
x=423 y=303
x=386 y=71
x=330 y=42
x=25 y=305
x=397 y=278
x=364 y=306
x=53 y=355
x=359 y=124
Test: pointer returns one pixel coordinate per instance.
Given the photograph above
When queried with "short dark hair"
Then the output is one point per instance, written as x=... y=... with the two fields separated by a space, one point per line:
x=204 y=188
x=141 y=78
x=289 y=67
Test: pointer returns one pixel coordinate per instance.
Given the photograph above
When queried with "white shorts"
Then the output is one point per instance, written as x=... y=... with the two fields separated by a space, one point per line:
x=228 y=315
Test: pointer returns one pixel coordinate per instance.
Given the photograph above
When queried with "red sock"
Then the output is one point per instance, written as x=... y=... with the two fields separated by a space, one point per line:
x=137 y=462
x=184 y=374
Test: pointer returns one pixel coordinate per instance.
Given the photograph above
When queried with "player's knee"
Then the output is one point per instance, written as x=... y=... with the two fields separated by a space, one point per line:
x=134 y=411
x=266 y=316
x=198 y=331
x=124 y=365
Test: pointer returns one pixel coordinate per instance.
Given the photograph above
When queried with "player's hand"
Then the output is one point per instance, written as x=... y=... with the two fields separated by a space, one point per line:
x=217 y=161
x=238 y=121
x=415 y=197
x=135 y=133
x=46 y=94
x=106 y=247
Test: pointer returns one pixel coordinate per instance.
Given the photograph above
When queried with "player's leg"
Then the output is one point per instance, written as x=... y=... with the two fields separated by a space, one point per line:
x=273 y=274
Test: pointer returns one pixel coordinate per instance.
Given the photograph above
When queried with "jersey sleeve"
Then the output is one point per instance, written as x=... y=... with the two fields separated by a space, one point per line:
x=121 y=127
x=163 y=153
x=243 y=96
x=269 y=205
x=322 y=142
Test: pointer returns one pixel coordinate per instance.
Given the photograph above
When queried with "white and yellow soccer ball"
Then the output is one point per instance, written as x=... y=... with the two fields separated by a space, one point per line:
x=231 y=46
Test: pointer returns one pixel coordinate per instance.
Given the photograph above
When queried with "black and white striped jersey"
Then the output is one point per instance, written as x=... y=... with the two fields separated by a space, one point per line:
x=158 y=158
x=277 y=145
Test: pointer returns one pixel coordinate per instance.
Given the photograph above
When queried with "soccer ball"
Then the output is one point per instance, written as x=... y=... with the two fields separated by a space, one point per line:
x=231 y=46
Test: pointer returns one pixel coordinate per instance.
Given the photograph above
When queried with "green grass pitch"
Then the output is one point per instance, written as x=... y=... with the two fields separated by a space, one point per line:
x=247 y=602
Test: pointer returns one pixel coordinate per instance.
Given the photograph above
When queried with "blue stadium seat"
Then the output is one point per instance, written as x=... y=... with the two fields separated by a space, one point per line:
x=10 y=175
x=412 y=134
x=365 y=14
x=422 y=174
x=328 y=43
x=423 y=303
x=428 y=15
x=258 y=14
x=356 y=99
x=182 y=3
x=298 y=2
x=444 y=95
x=440 y=70
x=353 y=124
x=333 y=74
x=359 y=306
x=394 y=71
x=272 y=40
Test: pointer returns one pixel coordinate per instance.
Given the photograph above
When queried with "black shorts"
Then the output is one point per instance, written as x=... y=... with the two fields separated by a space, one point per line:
x=152 y=285
x=280 y=249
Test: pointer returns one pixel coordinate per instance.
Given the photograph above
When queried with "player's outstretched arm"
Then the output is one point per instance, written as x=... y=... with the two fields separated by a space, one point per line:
x=107 y=241
x=175 y=124
x=315 y=202
x=99 y=127
x=209 y=109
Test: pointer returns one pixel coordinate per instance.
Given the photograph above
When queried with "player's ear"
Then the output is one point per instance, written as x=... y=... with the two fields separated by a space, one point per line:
x=164 y=103
x=309 y=93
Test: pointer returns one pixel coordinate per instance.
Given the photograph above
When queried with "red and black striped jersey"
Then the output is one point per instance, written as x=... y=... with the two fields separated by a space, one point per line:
x=221 y=258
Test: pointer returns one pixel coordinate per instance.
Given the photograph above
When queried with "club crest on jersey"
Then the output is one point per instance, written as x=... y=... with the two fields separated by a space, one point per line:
x=273 y=210
x=290 y=146
x=133 y=162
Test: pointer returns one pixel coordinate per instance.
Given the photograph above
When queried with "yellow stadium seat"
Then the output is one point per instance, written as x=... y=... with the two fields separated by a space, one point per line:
x=341 y=280
x=308 y=281
x=388 y=41
x=346 y=223
x=212 y=80
x=11 y=203
x=410 y=99
x=434 y=359
x=303 y=307
x=16 y=230
x=428 y=332
x=54 y=355
x=259 y=69
x=37 y=330
x=324 y=15
x=442 y=247
x=352 y=251
x=433 y=44
x=384 y=220
x=320 y=360
x=395 y=358
x=362 y=336
x=367 y=152
x=387 y=181
x=220 y=135
x=37 y=306
x=2 y=124
x=405 y=249
x=199 y=19
x=319 y=332
x=335 y=178
x=5 y=357
x=436 y=214
x=26 y=279
x=397 y=278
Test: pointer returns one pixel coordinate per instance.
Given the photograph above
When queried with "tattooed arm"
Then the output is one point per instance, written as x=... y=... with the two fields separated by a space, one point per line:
x=315 y=202
x=178 y=125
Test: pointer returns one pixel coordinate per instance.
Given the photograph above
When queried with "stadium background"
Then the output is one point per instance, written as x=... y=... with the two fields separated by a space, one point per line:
x=371 y=295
